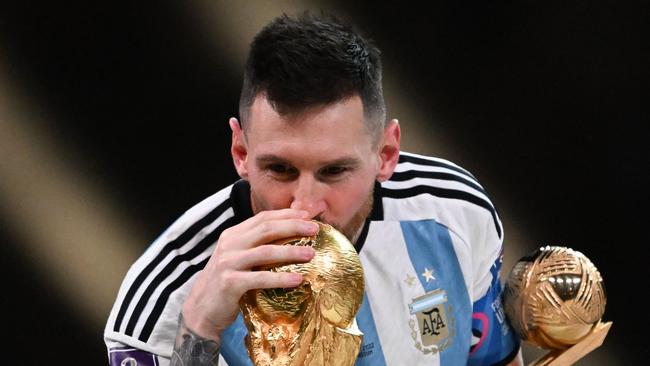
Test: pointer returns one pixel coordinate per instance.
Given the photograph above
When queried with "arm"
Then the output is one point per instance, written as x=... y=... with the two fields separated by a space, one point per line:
x=213 y=302
x=192 y=349
x=494 y=341
x=123 y=355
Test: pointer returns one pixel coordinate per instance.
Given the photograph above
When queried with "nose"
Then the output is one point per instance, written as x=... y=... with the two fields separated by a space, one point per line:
x=309 y=195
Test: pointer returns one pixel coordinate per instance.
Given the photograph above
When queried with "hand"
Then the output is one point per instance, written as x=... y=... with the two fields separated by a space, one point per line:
x=213 y=302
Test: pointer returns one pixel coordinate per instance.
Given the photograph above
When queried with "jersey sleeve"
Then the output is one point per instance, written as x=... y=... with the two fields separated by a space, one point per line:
x=143 y=322
x=493 y=341
x=120 y=354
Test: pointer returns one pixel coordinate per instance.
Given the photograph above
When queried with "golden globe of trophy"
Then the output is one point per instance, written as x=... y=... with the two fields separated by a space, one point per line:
x=314 y=323
x=554 y=299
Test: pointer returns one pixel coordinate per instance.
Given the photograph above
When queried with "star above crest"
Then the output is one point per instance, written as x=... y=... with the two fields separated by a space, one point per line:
x=410 y=280
x=428 y=274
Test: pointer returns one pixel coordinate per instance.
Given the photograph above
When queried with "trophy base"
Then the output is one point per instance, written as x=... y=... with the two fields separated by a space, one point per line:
x=579 y=350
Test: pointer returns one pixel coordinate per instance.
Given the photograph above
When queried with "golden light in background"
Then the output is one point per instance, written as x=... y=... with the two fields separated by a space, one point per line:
x=82 y=239
x=233 y=26
x=75 y=235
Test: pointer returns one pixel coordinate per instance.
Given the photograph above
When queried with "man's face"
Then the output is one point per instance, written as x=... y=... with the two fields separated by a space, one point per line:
x=323 y=161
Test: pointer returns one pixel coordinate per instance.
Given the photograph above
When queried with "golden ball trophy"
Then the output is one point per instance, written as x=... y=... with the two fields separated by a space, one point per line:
x=554 y=299
x=312 y=324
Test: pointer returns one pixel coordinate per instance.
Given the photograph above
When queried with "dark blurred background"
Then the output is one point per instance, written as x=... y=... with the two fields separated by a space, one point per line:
x=113 y=121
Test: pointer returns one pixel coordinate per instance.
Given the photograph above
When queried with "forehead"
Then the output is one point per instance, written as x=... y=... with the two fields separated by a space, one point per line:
x=330 y=131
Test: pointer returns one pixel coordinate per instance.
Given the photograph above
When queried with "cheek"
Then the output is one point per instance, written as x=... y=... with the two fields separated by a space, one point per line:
x=269 y=194
x=347 y=200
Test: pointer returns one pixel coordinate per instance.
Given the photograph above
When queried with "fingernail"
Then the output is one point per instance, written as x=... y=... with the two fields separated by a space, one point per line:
x=308 y=253
x=310 y=227
x=295 y=279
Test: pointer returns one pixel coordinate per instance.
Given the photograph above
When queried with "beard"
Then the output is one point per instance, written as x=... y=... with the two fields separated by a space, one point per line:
x=350 y=229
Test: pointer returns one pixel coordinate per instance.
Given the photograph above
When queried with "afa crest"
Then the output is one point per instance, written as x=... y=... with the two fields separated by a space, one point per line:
x=432 y=324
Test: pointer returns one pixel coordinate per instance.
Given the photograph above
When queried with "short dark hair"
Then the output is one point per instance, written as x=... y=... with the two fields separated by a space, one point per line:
x=311 y=60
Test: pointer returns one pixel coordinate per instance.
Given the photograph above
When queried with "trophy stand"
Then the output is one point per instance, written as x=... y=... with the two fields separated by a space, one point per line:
x=579 y=350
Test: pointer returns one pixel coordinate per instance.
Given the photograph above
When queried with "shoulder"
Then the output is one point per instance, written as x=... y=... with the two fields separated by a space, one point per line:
x=424 y=187
x=428 y=188
x=199 y=217
x=153 y=290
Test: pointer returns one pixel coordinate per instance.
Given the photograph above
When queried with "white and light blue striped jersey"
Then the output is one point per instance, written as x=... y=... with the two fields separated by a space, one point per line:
x=431 y=251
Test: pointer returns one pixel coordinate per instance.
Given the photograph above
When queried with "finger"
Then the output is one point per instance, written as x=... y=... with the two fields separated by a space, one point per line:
x=267 y=279
x=246 y=234
x=273 y=254
x=283 y=214
x=269 y=231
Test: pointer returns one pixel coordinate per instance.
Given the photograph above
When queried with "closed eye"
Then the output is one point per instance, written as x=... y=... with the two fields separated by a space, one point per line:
x=334 y=172
x=283 y=171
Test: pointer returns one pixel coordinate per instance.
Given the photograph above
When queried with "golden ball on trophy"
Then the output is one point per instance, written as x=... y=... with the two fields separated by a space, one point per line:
x=554 y=298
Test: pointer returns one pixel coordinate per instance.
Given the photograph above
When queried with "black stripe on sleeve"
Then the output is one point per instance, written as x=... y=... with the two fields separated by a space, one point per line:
x=164 y=296
x=421 y=161
x=172 y=245
x=410 y=174
x=444 y=193
x=199 y=248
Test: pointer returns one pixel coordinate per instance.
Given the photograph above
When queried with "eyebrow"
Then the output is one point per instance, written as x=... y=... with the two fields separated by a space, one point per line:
x=271 y=158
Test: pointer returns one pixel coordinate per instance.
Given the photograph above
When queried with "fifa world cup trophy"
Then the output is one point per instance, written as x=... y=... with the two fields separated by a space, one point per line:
x=554 y=299
x=312 y=324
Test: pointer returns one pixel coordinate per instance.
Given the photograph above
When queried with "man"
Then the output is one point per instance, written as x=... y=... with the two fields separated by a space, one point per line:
x=312 y=143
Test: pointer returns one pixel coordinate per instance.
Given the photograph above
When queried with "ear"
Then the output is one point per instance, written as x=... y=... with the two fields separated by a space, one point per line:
x=238 y=148
x=389 y=150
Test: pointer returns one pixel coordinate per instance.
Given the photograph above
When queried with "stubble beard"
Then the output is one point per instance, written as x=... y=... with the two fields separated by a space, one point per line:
x=353 y=228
